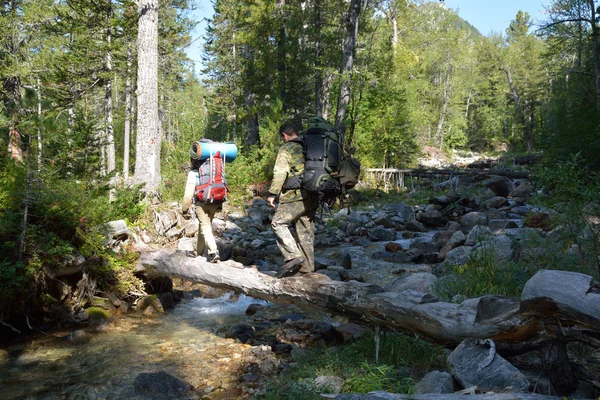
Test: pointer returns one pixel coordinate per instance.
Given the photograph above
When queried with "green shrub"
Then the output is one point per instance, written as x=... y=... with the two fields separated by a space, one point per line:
x=483 y=274
x=356 y=365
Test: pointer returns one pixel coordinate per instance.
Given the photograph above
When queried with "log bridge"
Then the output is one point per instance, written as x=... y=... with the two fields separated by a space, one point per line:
x=554 y=305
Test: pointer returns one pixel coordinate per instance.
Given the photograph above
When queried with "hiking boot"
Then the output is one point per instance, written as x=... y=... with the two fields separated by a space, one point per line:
x=213 y=258
x=290 y=267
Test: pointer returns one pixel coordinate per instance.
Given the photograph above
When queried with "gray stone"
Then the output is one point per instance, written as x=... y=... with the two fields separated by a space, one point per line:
x=474 y=218
x=495 y=202
x=419 y=281
x=476 y=363
x=524 y=190
x=415 y=226
x=333 y=275
x=500 y=247
x=435 y=382
x=499 y=185
x=477 y=234
x=161 y=385
x=433 y=218
x=331 y=384
x=381 y=234
x=457 y=256
x=402 y=210
x=497 y=224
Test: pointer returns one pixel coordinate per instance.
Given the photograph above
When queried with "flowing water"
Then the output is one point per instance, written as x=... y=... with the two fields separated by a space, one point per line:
x=182 y=343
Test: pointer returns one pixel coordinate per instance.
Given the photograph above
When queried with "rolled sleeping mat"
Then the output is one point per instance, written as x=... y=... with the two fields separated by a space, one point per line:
x=202 y=150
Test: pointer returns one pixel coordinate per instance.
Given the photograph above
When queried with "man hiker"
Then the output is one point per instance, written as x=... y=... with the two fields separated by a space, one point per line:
x=205 y=212
x=297 y=207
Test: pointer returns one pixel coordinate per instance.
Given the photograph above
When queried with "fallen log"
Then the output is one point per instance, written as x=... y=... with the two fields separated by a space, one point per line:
x=502 y=319
x=458 y=171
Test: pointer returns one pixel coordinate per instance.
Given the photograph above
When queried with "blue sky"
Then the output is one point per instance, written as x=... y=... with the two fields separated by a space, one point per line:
x=485 y=15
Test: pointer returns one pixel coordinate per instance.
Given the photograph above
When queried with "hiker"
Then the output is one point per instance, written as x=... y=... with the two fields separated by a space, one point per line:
x=199 y=184
x=297 y=207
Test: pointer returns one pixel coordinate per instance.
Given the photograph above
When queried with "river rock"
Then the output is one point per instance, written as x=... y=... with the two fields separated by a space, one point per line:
x=419 y=281
x=435 y=382
x=78 y=337
x=475 y=363
x=524 y=190
x=498 y=247
x=472 y=219
x=402 y=210
x=161 y=385
x=477 y=234
x=495 y=202
x=331 y=384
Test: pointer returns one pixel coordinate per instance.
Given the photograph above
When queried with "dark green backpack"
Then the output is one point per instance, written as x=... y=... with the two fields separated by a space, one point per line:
x=326 y=170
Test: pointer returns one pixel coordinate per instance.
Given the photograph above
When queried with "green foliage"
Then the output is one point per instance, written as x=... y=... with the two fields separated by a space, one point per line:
x=61 y=216
x=355 y=364
x=483 y=274
x=377 y=377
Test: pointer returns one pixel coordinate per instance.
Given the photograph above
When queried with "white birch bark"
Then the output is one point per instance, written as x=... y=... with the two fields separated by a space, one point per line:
x=127 y=127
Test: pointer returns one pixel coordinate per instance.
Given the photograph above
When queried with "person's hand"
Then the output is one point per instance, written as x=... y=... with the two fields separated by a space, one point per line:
x=271 y=201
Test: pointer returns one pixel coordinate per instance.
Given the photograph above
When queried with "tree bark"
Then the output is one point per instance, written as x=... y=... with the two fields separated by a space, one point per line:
x=502 y=319
x=148 y=143
x=557 y=367
x=128 y=116
x=108 y=104
x=39 y=123
x=348 y=49
x=527 y=137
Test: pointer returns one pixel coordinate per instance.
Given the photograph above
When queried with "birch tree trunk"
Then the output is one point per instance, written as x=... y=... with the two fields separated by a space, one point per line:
x=108 y=105
x=527 y=138
x=127 y=127
x=148 y=143
x=348 y=49
x=39 y=129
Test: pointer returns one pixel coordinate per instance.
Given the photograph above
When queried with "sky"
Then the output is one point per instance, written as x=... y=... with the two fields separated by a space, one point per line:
x=485 y=15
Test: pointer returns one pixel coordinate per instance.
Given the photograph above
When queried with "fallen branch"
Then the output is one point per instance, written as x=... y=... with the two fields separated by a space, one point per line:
x=10 y=326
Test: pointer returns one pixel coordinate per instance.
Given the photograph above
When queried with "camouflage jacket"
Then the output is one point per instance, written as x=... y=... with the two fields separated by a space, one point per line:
x=290 y=161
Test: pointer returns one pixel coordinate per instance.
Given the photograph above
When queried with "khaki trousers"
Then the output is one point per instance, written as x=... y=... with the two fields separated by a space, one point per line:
x=301 y=216
x=205 y=239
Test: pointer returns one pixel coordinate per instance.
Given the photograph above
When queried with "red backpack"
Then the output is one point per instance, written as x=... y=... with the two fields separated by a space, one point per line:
x=212 y=184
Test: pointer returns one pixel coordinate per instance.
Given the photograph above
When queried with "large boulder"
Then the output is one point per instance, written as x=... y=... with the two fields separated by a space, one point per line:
x=476 y=363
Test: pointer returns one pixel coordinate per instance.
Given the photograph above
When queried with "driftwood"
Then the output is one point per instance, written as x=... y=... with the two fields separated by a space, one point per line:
x=458 y=171
x=553 y=303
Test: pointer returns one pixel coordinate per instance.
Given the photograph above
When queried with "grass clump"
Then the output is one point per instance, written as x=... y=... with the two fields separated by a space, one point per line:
x=356 y=364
